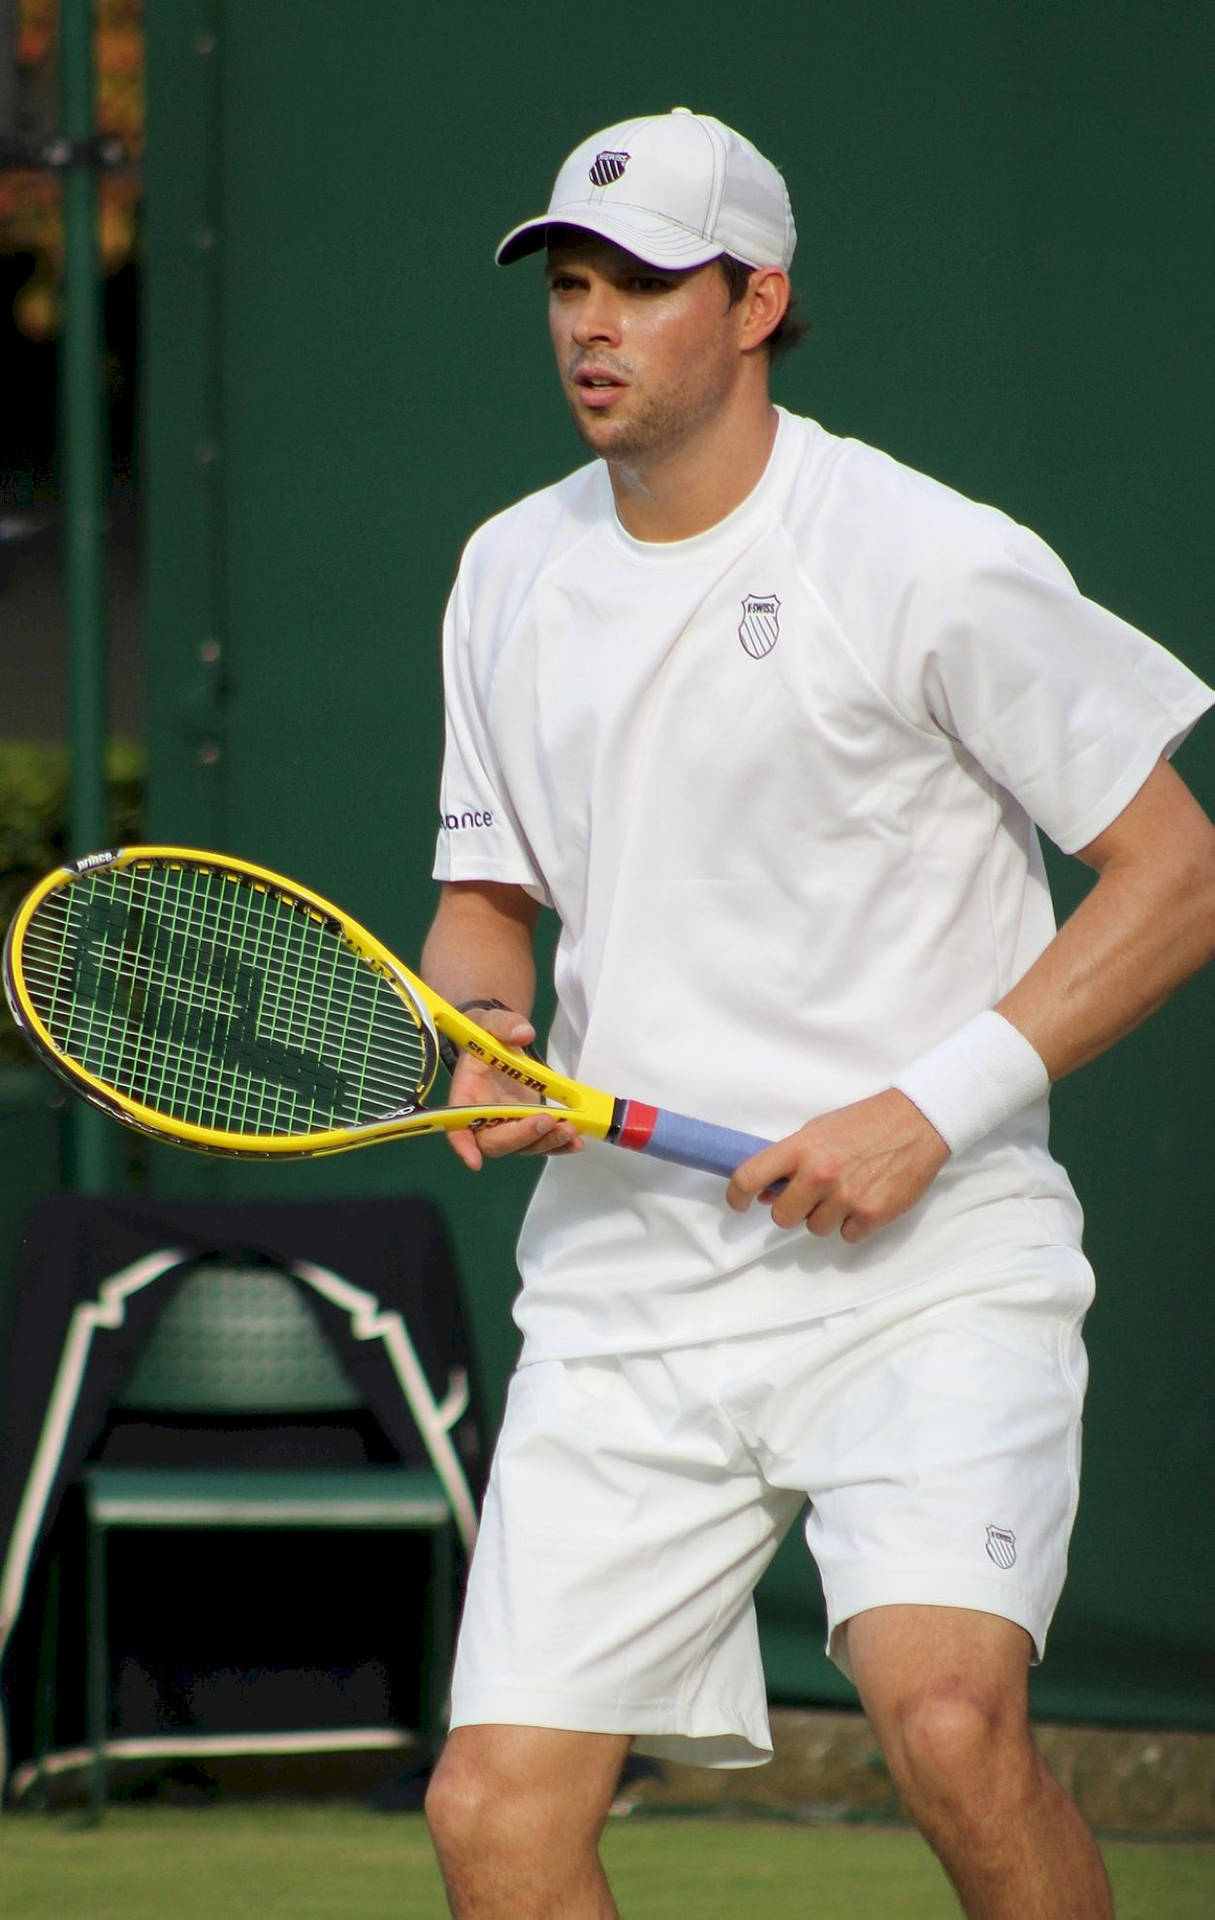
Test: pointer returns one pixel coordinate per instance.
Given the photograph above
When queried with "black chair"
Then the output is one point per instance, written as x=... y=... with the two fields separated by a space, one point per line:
x=216 y=1386
x=244 y=1342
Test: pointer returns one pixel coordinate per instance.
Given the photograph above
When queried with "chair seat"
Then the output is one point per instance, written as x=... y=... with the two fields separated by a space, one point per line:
x=400 y=1497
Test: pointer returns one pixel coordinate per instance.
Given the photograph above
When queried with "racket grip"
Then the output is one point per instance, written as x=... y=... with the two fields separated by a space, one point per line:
x=695 y=1143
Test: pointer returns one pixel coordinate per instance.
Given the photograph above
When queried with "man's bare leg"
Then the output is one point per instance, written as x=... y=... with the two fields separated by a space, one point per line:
x=946 y=1691
x=516 y=1814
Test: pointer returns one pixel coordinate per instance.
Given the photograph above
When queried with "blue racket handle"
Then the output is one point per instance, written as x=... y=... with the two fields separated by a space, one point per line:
x=694 y=1143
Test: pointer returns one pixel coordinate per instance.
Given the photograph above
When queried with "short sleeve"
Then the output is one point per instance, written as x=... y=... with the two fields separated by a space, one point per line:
x=1062 y=703
x=479 y=837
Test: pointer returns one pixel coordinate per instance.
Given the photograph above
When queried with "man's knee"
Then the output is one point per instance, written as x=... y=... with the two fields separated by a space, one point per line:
x=946 y=1690
x=470 y=1801
x=952 y=1730
x=514 y=1790
x=457 y=1800
x=963 y=1749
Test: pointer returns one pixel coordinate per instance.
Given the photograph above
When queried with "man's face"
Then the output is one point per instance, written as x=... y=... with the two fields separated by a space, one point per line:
x=646 y=355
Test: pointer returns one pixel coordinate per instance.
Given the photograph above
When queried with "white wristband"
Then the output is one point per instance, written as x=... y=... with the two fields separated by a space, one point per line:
x=975 y=1079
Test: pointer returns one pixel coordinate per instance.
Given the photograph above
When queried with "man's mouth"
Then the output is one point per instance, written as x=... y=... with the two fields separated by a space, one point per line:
x=598 y=386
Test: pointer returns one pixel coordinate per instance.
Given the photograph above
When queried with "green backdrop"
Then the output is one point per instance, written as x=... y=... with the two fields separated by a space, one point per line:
x=1005 y=253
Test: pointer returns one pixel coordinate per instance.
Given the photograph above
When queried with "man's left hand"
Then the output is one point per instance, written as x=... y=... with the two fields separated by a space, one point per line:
x=848 y=1172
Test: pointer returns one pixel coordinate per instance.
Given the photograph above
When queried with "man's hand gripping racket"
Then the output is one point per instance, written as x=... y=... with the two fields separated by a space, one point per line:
x=218 y=1005
x=475 y=1084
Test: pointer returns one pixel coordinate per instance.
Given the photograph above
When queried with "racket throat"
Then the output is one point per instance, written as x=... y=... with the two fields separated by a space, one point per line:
x=632 y=1125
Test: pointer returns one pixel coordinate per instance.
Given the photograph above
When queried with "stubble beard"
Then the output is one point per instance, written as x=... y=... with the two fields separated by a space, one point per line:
x=657 y=427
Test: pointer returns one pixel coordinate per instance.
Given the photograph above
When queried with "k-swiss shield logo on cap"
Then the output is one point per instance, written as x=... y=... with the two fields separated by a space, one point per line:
x=1002 y=1547
x=759 y=628
x=607 y=167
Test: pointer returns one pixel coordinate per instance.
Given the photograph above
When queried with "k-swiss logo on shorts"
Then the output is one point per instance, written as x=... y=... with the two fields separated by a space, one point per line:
x=759 y=628
x=608 y=167
x=1002 y=1547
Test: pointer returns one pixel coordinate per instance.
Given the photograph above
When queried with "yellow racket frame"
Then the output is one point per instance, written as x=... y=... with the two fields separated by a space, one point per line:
x=585 y=1108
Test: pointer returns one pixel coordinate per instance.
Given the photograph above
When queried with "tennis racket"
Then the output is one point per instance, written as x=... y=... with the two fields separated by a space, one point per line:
x=216 y=1004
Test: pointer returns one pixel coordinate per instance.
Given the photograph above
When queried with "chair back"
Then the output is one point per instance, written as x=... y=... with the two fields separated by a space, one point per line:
x=238 y=1339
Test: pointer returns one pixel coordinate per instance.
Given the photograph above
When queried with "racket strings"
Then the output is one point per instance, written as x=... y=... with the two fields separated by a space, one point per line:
x=309 y=1019
x=212 y=1012
x=315 y=1013
x=221 y=1002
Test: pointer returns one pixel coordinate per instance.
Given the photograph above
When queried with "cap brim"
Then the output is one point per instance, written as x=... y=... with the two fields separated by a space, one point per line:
x=660 y=243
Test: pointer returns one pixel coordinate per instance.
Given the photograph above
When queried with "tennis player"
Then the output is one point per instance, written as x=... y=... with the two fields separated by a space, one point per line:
x=769 y=721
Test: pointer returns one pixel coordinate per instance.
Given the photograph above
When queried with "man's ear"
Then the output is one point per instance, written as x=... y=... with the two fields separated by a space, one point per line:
x=766 y=301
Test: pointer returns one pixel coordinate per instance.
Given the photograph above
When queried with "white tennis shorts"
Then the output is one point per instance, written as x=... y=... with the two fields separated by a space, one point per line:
x=634 y=1503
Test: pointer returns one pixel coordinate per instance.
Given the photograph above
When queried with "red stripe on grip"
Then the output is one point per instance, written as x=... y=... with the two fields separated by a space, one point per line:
x=637 y=1126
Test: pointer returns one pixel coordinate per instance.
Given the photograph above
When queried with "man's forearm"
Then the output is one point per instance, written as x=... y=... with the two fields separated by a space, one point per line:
x=1146 y=927
x=480 y=947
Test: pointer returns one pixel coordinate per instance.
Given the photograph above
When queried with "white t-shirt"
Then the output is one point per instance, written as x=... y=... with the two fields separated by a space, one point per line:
x=778 y=783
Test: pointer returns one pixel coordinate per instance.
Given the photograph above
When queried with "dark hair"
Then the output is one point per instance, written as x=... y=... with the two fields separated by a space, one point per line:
x=789 y=330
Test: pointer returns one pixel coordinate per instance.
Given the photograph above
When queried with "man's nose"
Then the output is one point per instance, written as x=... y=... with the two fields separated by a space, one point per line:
x=598 y=318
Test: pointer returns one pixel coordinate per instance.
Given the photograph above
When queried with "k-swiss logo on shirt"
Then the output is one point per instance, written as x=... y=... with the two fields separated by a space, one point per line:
x=759 y=628
x=608 y=167
x=1002 y=1547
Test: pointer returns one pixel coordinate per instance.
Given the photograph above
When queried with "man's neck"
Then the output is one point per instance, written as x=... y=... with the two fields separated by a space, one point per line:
x=697 y=482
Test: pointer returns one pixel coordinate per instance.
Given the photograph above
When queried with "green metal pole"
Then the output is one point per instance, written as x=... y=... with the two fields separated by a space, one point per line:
x=82 y=490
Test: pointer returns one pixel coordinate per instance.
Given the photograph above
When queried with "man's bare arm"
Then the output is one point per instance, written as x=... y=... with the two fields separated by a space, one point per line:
x=480 y=945
x=1145 y=928
x=480 y=948
x=1147 y=925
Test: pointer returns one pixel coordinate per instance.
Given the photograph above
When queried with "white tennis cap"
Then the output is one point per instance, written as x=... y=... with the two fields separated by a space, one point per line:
x=676 y=189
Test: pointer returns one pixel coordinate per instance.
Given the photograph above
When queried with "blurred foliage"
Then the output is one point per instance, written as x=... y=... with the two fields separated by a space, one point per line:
x=31 y=219
x=34 y=803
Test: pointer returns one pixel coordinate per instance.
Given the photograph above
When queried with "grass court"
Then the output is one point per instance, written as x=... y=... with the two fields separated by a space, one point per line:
x=332 y=1861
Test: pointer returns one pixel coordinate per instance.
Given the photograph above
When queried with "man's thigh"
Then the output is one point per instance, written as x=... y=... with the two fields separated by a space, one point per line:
x=938 y=1444
x=900 y=1654
x=611 y=1591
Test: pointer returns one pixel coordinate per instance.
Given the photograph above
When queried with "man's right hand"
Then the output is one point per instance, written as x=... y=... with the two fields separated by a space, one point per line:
x=474 y=1084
